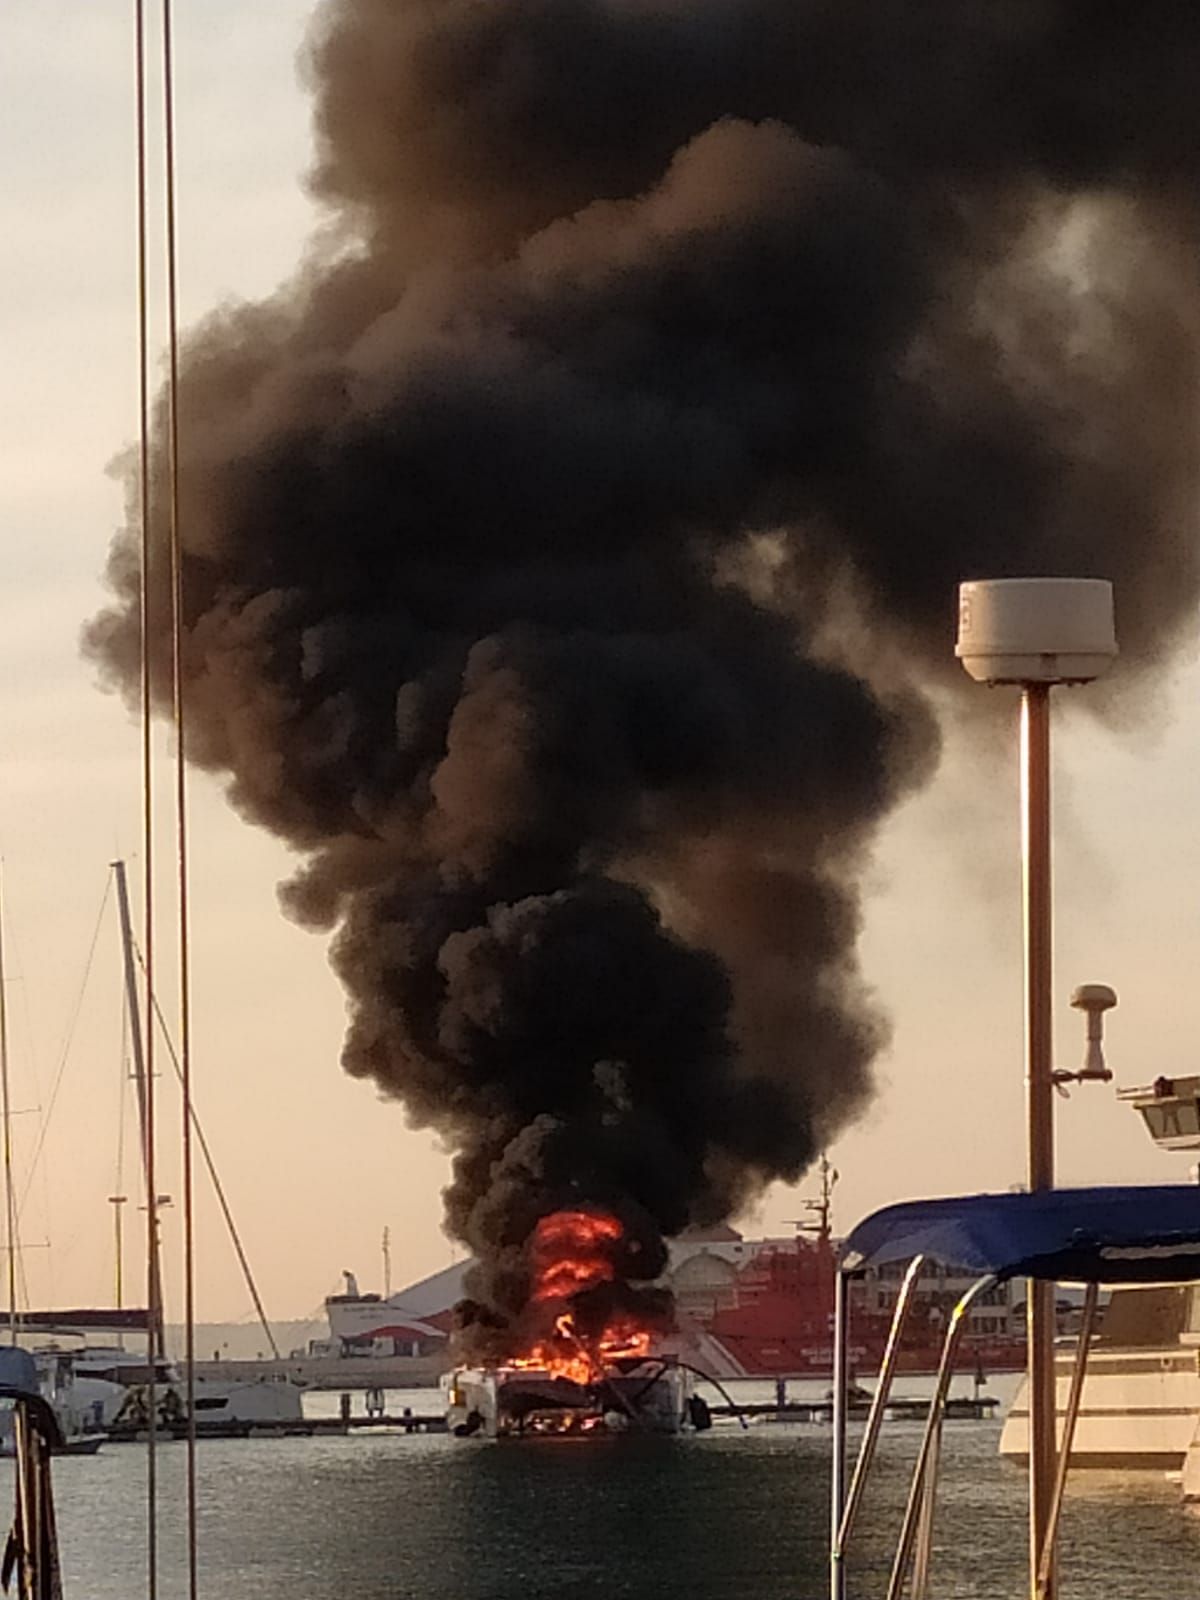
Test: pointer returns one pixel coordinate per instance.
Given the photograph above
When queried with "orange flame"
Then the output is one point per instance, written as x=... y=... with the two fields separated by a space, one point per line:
x=568 y=1253
x=571 y=1251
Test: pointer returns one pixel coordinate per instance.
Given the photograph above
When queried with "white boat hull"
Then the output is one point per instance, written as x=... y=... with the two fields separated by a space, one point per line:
x=1138 y=1412
x=509 y=1402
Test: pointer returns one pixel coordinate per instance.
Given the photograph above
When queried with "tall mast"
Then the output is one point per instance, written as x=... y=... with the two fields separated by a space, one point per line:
x=137 y=1047
x=10 y=1201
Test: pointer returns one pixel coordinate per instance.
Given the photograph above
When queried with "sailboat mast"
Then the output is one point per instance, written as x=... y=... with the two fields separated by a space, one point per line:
x=10 y=1203
x=137 y=1047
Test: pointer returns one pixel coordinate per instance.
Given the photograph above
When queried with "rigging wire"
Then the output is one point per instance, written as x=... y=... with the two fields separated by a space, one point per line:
x=147 y=750
x=178 y=711
x=31 y=1045
x=122 y=1081
x=218 y=1187
x=10 y=1204
x=10 y=946
x=64 y=1053
x=118 y=1198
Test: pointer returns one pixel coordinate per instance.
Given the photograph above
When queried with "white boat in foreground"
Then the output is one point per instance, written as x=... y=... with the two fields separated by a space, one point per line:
x=1140 y=1405
x=1135 y=1237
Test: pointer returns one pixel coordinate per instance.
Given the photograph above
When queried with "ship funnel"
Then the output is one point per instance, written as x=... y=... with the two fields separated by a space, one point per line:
x=1094 y=999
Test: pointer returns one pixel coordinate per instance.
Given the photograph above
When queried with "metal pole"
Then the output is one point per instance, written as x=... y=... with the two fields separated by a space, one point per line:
x=10 y=1203
x=1087 y=1324
x=116 y=1201
x=879 y=1400
x=1039 y=1101
x=926 y=1456
x=924 y=1543
x=141 y=1080
x=837 y=1494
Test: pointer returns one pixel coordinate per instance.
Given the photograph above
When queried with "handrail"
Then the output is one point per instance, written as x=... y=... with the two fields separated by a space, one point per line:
x=924 y=1541
x=879 y=1400
x=1078 y=1372
x=841 y=1302
x=945 y=1372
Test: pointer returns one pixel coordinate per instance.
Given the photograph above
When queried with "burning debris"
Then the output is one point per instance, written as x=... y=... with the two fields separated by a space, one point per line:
x=548 y=543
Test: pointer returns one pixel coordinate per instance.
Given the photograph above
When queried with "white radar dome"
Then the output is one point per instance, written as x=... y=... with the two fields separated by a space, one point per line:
x=1036 y=630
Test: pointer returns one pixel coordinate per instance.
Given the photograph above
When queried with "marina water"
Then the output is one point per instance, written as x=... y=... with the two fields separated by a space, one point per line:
x=729 y=1515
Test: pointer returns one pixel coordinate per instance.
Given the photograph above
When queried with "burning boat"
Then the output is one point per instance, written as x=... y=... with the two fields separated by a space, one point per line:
x=578 y=1356
x=650 y=1395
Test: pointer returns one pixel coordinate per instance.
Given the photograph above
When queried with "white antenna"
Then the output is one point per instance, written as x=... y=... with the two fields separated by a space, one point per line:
x=1094 y=999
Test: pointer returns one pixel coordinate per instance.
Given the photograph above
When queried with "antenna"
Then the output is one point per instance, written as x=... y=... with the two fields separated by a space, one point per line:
x=822 y=1207
x=1094 y=999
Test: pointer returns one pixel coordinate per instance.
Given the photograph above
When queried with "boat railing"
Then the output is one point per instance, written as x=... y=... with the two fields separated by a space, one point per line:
x=1090 y=1236
x=31 y=1556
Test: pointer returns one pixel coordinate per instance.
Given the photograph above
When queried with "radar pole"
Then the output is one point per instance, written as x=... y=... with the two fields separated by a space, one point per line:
x=1035 y=633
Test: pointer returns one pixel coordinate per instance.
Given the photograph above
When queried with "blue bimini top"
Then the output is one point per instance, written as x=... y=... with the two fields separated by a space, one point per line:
x=1111 y=1236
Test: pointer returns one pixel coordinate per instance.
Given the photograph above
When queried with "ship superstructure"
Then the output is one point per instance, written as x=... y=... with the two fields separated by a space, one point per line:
x=744 y=1308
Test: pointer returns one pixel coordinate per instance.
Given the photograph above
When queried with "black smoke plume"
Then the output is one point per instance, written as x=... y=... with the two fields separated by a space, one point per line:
x=554 y=538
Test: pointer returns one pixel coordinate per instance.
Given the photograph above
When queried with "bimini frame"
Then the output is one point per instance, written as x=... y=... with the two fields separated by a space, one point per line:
x=1089 y=1236
x=30 y=1567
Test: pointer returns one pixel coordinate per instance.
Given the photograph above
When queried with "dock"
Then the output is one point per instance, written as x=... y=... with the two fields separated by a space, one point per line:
x=303 y=1429
x=966 y=1408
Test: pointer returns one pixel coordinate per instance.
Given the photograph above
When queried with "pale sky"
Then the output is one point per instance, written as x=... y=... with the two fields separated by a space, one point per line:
x=314 y=1164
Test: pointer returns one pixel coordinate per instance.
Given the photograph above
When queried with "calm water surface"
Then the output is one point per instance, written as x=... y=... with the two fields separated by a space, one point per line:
x=724 y=1516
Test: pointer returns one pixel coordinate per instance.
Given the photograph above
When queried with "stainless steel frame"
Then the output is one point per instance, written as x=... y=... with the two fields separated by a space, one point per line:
x=1045 y=1570
x=924 y=1481
x=914 y=1548
x=844 y=1508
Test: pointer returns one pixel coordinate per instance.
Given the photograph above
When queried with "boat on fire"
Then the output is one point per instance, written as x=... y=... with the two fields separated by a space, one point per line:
x=644 y=1395
x=580 y=1355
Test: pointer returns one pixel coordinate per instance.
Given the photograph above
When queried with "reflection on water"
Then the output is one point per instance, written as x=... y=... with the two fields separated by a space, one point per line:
x=715 y=1517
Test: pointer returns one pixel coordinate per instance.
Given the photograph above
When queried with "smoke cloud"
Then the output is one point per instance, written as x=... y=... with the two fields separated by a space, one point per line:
x=551 y=541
